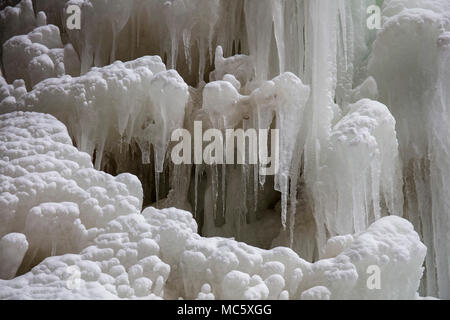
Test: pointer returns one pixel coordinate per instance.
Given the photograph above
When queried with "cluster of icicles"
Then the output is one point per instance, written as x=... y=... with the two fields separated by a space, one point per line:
x=363 y=126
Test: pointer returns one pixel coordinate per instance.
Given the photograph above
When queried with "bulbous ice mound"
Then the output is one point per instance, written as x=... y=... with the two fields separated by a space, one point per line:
x=19 y=20
x=50 y=191
x=39 y=55
x=137 y=99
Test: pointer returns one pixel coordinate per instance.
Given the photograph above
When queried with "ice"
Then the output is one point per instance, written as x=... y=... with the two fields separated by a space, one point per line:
x=362 y=117
x=439 y=164
x=285 y=97
x=39 y=55
x=135 y=254
x=49 y=190
x=13 y=247
x=418 y=102
x=371 y=177
x=19 y=20
x=81 y=101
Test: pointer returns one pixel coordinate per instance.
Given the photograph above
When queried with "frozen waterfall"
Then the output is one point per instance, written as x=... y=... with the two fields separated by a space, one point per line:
x=363 y=116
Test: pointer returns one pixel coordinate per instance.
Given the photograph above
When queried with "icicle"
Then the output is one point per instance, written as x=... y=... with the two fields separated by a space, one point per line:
x=278 y=25
x=293 y=208
x=187 y=48
x=255 y=186
x=215 y=188
x=196 y=173
x=157 y=185
x=114 y=45
x=223 y=189
x=53 y=251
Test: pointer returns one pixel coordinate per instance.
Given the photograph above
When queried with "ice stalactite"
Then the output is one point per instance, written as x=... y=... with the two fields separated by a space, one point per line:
x=320 y=58
x=261 y=18
x=20 y=19
x=136 y=100
x=285 y=99
x=367 y=185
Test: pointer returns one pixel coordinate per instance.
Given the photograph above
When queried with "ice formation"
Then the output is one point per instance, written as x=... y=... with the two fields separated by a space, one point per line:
x=39 y=55
x=362 y=117
x=20 y=19
x=125 y=254
x=419 y=102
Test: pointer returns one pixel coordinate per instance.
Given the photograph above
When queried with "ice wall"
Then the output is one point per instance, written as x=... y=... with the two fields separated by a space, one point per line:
x=412 y=77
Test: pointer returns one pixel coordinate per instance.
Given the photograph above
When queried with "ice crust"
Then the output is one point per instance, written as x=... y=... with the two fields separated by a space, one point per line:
x=363 y=116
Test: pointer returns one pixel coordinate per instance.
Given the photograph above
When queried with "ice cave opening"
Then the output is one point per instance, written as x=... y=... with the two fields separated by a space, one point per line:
x=87 y=177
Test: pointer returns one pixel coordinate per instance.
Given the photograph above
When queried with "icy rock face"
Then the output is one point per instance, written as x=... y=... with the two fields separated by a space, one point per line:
x=420 y=105
x=39 y=55
x=49 y=190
